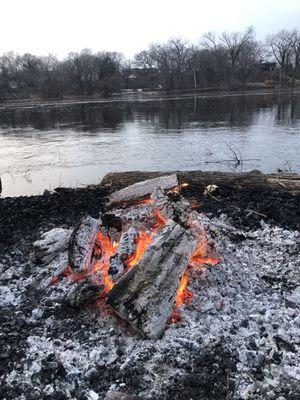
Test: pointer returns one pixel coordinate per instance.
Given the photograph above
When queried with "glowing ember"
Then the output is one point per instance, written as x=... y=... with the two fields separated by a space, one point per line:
x=196 y=261
x=104 y=249
x=142 y=241
x=136 y=202
x=194 y=203
x=160 y=220
x=184 y=185
x=179 y=187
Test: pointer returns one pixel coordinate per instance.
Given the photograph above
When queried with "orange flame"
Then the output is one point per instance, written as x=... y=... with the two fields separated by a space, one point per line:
x=144 y=239
x=183 y=295
x=106 y=249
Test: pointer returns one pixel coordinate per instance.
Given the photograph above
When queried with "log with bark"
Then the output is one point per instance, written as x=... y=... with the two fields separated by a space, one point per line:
x=253 y=180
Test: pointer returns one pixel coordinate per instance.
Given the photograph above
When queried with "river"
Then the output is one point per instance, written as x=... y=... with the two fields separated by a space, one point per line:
x=45 y=146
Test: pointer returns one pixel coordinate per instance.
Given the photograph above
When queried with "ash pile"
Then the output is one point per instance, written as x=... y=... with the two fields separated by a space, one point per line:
x=153 y=300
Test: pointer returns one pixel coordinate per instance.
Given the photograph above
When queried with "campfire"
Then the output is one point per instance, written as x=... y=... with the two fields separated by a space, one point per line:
x=138 y=257
x=171 y=292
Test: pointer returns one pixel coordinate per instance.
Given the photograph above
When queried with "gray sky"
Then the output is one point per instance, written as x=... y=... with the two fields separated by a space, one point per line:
x=128 y=26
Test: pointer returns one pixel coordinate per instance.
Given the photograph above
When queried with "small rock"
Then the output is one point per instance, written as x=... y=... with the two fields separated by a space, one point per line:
x=293 y=300
x=115 y=395
x=93 y=395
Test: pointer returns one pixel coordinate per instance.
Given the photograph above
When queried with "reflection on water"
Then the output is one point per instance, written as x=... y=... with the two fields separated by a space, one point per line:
x=44 y=147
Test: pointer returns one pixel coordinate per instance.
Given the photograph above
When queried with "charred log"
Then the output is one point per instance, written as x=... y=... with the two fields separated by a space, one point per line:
x=145 y=295
x=82 y=243
x=83 y=293
x=126 y=248
x=110 y=220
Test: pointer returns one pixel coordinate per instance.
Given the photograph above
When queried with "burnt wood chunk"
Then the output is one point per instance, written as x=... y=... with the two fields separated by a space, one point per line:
x=145 y=295
x=51 y=244
x=142 y=189
x=83 y=293
x=126 y=248
x=82 y=243
x=110 y=220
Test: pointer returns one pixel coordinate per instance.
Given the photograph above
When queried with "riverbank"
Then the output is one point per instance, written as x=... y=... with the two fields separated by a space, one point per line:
x=22 y=219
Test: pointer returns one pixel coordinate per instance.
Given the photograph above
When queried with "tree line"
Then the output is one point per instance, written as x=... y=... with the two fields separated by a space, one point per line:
x=227 y=60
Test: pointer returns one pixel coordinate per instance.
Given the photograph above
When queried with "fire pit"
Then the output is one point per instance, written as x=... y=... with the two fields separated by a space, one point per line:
x=154 y=299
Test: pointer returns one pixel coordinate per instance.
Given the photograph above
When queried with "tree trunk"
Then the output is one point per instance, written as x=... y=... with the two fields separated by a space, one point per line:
x=254 y=180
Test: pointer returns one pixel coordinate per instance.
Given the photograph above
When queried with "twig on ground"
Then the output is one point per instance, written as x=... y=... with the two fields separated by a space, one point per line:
x=237 y=208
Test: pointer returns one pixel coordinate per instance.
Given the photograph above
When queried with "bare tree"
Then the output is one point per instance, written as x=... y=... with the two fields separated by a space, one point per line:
x=295 y=46
x=144 y=60
x=231 y=51
x=280 y=45
x=235 y=42
x=211 y=43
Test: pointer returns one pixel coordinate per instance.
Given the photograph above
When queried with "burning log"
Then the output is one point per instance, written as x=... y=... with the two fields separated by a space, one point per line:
x=145 y=295
x=125 y=249
x=142 y=189
x=81 y=245
x=172 y=205
x=50 y=245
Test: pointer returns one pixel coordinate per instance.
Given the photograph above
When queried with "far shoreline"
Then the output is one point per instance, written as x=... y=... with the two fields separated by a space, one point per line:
x=144 y=96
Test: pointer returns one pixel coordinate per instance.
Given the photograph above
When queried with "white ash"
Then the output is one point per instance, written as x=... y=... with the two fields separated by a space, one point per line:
x=245 y=311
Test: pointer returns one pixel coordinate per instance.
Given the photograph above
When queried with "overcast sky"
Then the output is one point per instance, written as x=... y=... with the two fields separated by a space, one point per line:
x=128 y=26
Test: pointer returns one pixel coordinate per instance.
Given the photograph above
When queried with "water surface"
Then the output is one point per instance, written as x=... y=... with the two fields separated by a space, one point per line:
x=48 y=146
